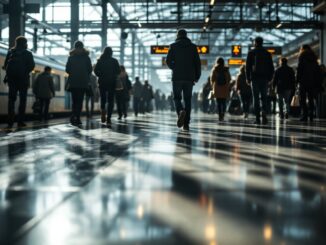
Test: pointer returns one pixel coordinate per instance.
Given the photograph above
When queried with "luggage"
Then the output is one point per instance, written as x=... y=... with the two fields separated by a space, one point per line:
x=235 y=107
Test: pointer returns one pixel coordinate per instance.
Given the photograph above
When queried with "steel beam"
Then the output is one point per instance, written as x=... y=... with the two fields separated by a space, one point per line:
x=74 y=24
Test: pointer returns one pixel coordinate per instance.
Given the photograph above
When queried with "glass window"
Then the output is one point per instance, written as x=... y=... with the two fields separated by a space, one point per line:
x=56 y=82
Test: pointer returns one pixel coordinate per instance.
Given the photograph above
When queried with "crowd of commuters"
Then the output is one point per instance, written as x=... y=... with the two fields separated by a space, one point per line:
x=257 y=83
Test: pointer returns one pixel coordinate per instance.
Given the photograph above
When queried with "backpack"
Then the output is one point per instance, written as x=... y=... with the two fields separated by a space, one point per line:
x=16 y=66
x=261 y=66
x=220 y=78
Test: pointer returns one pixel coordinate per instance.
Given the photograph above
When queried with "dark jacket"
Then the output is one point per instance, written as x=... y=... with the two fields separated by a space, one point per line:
x=259 y=65
x=308 y=71
x=137 y=89
x=183 y=60
x=284 y=78
x=147 y=92
x=43 y=86
x=107 y=69
x=79 y=68
x=242 y=85
x=28 y=60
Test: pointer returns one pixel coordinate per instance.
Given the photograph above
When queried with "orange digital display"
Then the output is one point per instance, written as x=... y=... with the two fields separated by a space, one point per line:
x=236 y=51
x=164 y=49
x=236 y=62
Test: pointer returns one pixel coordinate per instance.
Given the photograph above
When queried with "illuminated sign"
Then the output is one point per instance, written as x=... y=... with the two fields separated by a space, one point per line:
x=236 y=50
x=273 y=50
x=236 y=62
x=163 y=49
x=203 y=62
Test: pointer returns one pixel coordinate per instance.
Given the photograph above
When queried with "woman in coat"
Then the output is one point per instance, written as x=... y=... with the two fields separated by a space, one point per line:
x=309 y=80
x=122 y=92
x=220 y=81
x=79 y=69
x=107 y=69
x=43 y=88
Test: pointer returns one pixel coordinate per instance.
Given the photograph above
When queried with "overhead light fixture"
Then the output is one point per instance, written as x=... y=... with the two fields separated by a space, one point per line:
x=212 y=2
x=278 y=22
x=207 y=18
x=138 y=23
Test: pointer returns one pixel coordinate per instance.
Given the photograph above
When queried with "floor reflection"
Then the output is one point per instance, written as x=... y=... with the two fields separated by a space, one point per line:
x=143 y=181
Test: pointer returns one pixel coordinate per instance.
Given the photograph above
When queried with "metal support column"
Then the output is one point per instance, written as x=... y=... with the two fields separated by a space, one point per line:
x=104 y=34
x=122 y=48
x=139 y=62
x=133 y=40
x=16 y=21
x=74 y=24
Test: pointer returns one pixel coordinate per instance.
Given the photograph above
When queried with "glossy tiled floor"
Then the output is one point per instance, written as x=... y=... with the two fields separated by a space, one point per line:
x=146 y=182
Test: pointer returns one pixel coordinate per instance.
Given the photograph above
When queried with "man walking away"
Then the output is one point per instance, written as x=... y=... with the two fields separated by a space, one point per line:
x=183 y=60
x=137 y=89
x=18 y=65
x=284 y=82
x=43 y=88
x=259 y=72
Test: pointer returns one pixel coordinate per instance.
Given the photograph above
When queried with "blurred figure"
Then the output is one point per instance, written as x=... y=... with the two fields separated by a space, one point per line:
x=137 y=89
x=284 y=82
x=107 y=69
x=308 y=77
x=79 y=69
x=244 y=90
x=163 y=102
x=43 y=88
x=271 y=99
x=147 y=95
x=206 y=90
x=123 y=88
x=259 y=72
x=18 y=64
x=157 y=99
x=91 y=96
x=195 y=101
x=322 y=95
x=183 y=60
x=220 y=81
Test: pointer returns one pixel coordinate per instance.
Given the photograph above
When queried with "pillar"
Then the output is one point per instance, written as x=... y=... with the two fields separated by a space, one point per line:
x=122 y=47
x=104 y=30
x=133 y=39
x=74 y=23
x=16 y=21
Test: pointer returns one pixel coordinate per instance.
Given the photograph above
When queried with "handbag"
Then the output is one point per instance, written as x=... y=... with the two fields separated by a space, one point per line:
x=211 y=95
x=295 y=101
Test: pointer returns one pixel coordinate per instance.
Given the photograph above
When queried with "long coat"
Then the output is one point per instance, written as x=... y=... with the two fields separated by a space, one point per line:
x=107 y=69
x=220 y=91
x=79 y=68
x=43 y=86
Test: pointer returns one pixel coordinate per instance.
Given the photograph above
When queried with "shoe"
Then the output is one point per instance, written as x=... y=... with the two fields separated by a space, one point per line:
x=181 y=118
x=303 y=119
x=264 y=121
x=21 y=124
x=108 y=122
x=186 y=127
x=246 y=115
x=103 y=116
x=79 y=122
x=257 y=122
x=120 y=117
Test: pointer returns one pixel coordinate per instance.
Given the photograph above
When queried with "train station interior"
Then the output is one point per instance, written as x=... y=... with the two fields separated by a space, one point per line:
x=144 y=177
